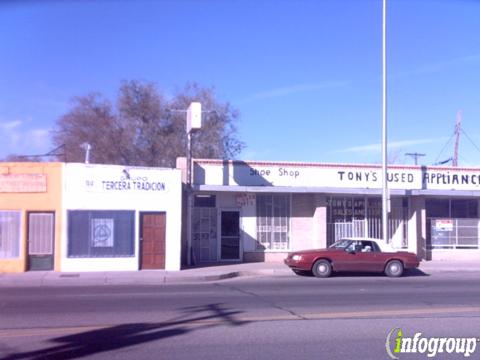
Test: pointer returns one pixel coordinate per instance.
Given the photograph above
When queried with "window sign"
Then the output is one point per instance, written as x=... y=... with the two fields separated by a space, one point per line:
x=444 y=225
x=102 y=232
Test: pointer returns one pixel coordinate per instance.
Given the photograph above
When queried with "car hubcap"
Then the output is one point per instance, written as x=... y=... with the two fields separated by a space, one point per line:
x=394 y=268
x=322 y=268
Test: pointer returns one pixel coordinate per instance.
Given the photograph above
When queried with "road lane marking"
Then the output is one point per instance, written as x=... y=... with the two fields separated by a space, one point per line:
x=9 y=333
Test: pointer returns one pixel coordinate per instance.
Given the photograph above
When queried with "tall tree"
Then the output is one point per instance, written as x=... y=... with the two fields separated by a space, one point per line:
x=145 y=128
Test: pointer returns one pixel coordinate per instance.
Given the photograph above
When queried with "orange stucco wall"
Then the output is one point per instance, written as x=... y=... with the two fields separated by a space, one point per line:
x=50 y=201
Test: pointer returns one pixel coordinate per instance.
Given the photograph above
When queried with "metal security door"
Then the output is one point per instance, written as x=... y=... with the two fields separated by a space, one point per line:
x=40 y=241
x=152 y=238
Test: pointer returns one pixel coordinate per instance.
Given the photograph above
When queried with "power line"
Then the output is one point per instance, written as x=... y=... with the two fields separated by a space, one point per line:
x=473 y=143
x=415 y=156
x=448 y=142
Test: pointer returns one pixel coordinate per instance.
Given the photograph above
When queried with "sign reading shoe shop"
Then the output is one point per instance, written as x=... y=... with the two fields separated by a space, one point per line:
x=239 y=173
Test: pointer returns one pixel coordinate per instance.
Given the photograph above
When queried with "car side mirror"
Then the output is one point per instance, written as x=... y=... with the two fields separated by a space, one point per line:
x=350 y=251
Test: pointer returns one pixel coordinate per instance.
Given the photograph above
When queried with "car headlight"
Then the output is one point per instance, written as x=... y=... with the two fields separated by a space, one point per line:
x=297 y=257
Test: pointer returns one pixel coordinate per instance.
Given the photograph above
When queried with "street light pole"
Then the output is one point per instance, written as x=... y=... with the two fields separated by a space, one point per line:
x=385 y=199
x=194 y=122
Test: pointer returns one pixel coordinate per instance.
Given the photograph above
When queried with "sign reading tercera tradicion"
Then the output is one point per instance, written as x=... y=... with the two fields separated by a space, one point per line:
x=23 y=183
x=115 y=179
x=240 y=173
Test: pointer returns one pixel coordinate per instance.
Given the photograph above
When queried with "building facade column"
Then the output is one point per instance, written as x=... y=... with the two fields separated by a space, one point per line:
x=320 y=222
x=417 y=226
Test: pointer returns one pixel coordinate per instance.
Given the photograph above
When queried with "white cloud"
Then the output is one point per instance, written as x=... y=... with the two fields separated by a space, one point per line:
x=11 y=125
x=438 y=66
x=16 y=138
x=293 y=89
x=377 y=147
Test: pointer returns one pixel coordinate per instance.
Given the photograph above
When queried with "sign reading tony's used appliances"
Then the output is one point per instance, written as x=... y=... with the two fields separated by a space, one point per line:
x=343 y=176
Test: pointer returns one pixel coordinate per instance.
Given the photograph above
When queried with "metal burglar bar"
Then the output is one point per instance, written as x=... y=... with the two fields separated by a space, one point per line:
x=273 y=216
x=9 y=234
x=204 y=234
x=361 y=217
x=40 y=234
x=454 y=233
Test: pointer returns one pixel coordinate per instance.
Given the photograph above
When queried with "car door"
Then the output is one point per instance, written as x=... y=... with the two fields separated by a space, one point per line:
x=348 y=259
x=369 y=259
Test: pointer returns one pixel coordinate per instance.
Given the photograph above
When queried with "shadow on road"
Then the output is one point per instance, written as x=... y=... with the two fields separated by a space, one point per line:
x=116 y=337
x=407 y=273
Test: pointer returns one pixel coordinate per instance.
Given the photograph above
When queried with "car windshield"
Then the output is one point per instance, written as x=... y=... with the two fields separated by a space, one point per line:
x=340 y=244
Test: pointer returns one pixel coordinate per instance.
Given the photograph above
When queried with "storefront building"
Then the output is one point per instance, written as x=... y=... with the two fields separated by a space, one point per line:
x=30 y=216
x=121 y=218
x=259 y=211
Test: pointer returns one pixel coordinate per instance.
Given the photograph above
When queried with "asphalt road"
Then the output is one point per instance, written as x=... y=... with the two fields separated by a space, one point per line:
x=344 y=317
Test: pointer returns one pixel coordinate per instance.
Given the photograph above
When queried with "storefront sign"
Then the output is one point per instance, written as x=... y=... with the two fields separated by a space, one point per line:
x=23 y=183
x=341 y=176
x=117 y=181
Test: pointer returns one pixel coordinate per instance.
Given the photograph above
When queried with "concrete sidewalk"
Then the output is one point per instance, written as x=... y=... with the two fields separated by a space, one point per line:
x=198 y=274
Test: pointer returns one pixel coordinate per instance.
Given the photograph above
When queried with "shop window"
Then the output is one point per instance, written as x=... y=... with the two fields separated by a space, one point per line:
x=94 y=234
x=437 y=207
x=273 y=218
x=452 y=208
x=205 y=201
x=464 y=209
x=9 y=234
x=346 y=209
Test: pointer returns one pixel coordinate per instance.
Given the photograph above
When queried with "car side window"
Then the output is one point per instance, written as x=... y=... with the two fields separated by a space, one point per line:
x=351 y=247
x=376 y=247
x=367 y=246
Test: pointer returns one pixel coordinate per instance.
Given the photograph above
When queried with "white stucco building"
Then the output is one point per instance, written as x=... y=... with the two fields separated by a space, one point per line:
x=121 y=218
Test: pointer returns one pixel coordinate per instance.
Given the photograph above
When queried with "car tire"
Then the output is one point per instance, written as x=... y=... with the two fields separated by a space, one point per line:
x=394 y=268
x=322 y=268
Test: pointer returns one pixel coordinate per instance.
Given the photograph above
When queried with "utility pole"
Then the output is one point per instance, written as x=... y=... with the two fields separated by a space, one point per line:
x=385 y=199
x=458 y=129
x=415 y=156
x=194 y=122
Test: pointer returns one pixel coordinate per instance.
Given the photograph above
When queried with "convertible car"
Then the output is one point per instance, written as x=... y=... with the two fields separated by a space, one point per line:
x=353 y=255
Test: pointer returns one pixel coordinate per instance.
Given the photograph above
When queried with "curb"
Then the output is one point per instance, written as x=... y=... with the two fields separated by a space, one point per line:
x=106 y=279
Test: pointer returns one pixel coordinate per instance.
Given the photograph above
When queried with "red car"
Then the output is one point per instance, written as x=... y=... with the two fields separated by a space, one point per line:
x=354 y=255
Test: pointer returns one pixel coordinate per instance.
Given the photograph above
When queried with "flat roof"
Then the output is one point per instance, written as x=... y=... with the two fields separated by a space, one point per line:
x=330 y=190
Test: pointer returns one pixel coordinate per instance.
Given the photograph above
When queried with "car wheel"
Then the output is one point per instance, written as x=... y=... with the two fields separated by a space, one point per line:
x=394 y=268
x=322 y=268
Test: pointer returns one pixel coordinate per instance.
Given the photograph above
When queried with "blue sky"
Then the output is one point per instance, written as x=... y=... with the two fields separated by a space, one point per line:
x=305 y=75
